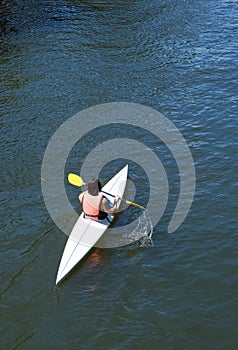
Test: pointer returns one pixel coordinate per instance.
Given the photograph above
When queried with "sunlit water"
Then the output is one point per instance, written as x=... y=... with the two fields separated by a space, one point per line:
x=180 y=58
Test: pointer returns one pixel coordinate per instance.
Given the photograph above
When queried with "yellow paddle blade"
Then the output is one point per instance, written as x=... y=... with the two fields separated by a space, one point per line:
x=75 y=180
x=135 y=205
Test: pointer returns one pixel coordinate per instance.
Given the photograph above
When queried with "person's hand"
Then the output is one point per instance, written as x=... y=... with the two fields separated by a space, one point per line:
x=117 y=198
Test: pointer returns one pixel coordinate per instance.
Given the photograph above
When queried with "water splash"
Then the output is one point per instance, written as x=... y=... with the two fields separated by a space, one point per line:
x=146 y=224
x=143 y=232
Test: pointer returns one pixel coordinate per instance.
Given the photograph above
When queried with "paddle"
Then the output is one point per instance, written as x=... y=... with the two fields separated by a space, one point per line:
x=76 y=180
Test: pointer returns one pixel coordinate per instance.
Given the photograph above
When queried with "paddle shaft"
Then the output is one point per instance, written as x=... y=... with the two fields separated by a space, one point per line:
x=76 y=180
x=109 y=194
x=125 y=200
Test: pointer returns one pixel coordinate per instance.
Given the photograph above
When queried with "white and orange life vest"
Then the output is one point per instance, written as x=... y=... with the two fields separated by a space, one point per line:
x=91 y=211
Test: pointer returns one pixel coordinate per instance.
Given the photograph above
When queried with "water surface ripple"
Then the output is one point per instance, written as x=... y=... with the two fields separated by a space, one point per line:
x=179 y=57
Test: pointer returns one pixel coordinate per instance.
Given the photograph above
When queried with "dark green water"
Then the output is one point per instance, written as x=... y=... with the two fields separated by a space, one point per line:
x=180 y=58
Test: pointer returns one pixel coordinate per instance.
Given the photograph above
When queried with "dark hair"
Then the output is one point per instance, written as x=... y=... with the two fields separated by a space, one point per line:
x=94 y=187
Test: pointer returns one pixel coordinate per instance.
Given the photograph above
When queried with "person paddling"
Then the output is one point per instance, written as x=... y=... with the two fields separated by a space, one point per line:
x=95 y=205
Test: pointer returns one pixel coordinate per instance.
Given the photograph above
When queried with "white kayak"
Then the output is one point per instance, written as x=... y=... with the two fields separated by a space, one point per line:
x=86 y=232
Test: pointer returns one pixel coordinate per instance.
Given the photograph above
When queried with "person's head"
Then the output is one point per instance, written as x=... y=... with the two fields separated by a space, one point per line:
x=94 y=187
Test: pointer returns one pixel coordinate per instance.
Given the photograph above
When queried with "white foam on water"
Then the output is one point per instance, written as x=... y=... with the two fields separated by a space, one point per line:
x=143 y=231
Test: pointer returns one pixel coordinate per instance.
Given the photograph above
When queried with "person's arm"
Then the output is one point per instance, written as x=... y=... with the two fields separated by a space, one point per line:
x=81 y=197
x=106 y=205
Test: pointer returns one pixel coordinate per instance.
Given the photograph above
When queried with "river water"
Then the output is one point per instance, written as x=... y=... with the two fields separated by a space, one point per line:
x=178 y=57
